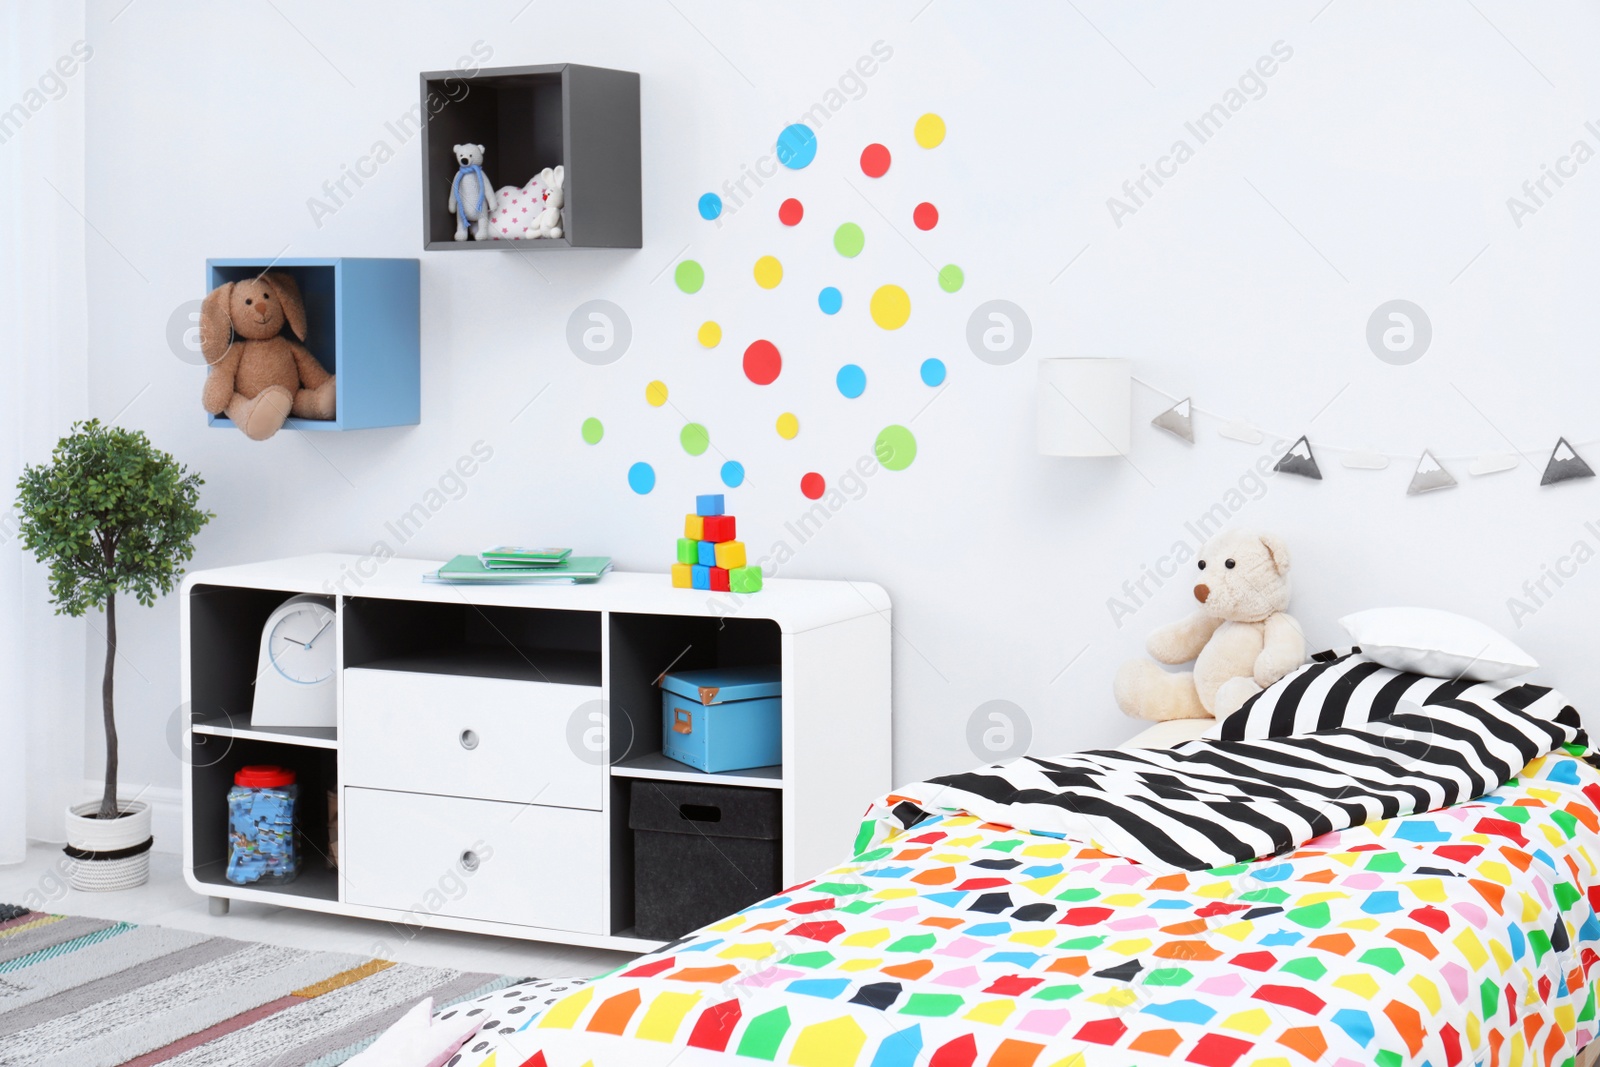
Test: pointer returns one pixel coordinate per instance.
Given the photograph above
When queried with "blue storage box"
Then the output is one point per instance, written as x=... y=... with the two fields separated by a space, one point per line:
x=726 y=719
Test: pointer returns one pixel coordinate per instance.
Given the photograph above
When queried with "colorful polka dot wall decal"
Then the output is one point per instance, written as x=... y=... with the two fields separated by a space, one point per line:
x=788 y=426
x=851 y=380
x=874 y=161
x=813 y=486
x=890 y=307
x=951 y=278
x=641 y=478
x=791 y=211
x=593 y=430
x=933 y=372
x=695 y=439
x=830 y=300
x=710 y=334
x=710 y=206
x=929 y=131
x=733 y=474
x=689 y=276
x=655 y=394
x=768 y=272
x=797 y=146
x=925 y=216
x=895 y=448
x=762 y=363
x=848 y=240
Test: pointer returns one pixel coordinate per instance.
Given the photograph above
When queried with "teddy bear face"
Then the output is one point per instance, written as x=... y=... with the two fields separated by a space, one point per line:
x=468 y=155
x=1243 y=577
x=256 y=309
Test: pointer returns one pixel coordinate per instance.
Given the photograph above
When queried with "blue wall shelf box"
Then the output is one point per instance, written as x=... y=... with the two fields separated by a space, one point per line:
x=364 y=318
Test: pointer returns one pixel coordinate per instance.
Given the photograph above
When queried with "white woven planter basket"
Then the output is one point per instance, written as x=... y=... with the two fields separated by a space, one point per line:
x=108 y=835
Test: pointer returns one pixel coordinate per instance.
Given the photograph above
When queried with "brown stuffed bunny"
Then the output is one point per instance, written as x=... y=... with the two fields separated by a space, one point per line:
x=259 y=377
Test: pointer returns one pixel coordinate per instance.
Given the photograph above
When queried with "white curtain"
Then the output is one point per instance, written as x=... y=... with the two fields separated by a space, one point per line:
x=43 y=366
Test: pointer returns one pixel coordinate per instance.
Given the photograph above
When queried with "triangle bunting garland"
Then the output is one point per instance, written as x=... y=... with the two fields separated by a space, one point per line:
x=1564 y=465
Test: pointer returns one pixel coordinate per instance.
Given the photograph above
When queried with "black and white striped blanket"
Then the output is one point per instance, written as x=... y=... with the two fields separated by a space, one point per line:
x=1209 y=803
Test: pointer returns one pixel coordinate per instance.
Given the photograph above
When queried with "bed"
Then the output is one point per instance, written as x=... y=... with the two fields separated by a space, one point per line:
x=983 y=922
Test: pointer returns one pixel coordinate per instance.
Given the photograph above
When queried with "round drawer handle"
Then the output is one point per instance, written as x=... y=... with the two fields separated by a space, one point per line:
x=469 y=739
x=469 y=861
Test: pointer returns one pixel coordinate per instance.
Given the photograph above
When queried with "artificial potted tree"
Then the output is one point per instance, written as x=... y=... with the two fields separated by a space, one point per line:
x=109 y=514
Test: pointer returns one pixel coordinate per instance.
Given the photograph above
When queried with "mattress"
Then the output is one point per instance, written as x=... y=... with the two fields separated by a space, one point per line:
x=1462 y=935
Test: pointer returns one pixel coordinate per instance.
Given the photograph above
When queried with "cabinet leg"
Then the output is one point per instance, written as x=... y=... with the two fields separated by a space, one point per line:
x=218 y=905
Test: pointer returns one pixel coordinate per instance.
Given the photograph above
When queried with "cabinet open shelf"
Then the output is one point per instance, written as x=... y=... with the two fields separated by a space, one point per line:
x=664 y=769
x=584 y=119
x=316 y=882
x=310 y=736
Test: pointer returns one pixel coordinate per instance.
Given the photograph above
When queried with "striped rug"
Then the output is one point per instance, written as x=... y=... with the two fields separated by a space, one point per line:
x=96 y=993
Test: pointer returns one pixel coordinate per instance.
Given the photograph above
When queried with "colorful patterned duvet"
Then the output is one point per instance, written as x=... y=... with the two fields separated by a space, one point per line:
x=1463 y=936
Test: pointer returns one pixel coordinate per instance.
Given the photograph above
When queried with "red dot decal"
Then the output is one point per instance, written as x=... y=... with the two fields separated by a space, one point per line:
x=762 y=362
x=874 y=161
x=926 y=216
x=813 y=486
x=791 y=211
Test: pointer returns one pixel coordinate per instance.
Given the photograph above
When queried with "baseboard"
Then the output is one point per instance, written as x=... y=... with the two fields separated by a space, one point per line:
x=166 y=810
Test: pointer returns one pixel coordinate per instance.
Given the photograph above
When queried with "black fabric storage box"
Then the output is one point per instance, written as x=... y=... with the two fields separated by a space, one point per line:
x=700 y=853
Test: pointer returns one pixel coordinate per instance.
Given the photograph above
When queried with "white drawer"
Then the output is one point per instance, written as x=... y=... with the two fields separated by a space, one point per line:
x=488 y=738
x=476 y=859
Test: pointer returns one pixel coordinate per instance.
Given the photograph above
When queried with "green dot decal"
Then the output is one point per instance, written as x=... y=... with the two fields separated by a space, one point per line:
x=690 y=276
x=895 y=448
x=951 y=278
x=848 y=240
x=695 y=439
x=593 y=430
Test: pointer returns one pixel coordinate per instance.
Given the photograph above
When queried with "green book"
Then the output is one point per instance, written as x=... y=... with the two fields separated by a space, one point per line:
x=512 y=556
x=470 y=570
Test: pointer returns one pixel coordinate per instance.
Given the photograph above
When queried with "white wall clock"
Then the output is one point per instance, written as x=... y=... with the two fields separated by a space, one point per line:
x=294 y=672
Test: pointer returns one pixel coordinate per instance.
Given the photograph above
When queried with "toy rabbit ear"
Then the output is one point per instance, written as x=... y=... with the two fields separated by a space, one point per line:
x=216 y=323
x=1278 y=551
x=294 y=308
x=560 y=176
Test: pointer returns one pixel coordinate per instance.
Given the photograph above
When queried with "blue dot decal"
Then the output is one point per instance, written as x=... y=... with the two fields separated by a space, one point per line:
x=733 y=474
x=852 y=380
x=830 y=300
x=641 y=478
x=933 y=372
x=710 y=206
x=797 y=146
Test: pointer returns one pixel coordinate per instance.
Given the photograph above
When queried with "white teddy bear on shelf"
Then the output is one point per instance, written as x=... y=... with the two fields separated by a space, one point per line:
x=532 y=211
x=472 y=198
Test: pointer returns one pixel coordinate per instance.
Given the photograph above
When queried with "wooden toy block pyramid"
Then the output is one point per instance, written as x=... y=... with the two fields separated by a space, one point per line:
x=708 y=555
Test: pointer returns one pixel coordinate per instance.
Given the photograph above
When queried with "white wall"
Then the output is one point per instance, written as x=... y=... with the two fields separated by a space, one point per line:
x=1376 y=165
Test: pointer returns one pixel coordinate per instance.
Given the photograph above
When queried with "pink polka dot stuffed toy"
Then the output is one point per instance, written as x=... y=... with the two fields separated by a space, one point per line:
x=532 y=211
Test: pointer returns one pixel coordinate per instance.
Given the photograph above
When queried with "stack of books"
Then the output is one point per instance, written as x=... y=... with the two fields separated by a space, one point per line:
x=510 y=565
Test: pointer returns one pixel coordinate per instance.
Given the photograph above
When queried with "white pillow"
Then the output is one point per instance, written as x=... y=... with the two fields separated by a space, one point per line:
x=1439 y=644
x=416 y=1040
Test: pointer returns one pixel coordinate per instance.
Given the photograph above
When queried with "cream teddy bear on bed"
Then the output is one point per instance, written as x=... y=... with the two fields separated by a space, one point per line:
x=1240 y=638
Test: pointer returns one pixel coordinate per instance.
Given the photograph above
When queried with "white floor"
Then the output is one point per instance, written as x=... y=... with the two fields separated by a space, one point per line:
x=166 y=901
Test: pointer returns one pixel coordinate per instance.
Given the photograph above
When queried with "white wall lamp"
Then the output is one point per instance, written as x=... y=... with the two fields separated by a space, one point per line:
x=1085 y=407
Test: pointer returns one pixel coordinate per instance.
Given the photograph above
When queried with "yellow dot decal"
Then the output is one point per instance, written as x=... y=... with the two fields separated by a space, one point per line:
x=929 y=131
x=710 y=334
x=788 y=426
x=655 y=394
x=891 y=307
x=769 y=272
